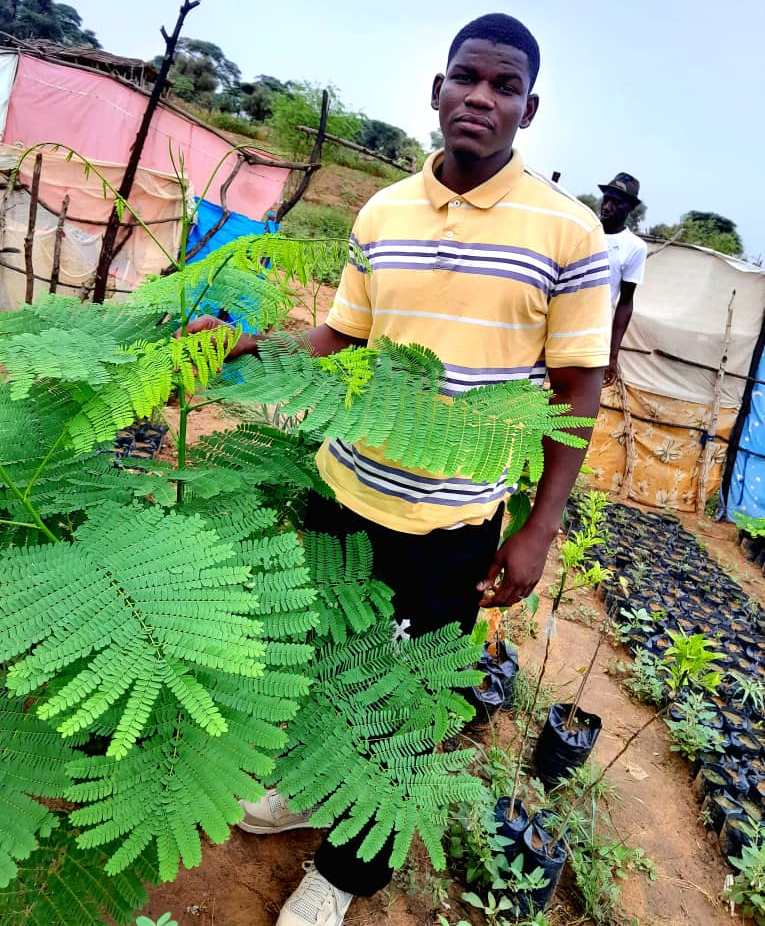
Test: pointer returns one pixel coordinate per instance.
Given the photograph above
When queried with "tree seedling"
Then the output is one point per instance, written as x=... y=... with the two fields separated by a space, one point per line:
x=689 y=663
x=164 y=920
x=575 y=573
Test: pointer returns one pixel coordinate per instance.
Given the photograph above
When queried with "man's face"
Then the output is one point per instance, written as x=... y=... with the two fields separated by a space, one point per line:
x=483 y=99
x=614 y=211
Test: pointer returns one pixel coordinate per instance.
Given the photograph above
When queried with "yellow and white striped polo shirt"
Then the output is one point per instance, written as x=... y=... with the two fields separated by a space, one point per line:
x=500 y=282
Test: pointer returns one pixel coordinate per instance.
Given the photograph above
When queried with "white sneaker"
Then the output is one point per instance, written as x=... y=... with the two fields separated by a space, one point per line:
x=271 y=814
x=315 y=902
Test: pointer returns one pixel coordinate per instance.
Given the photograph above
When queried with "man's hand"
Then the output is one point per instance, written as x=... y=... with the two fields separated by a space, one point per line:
x=247 y=343
x=609 y=377
x=518 y=564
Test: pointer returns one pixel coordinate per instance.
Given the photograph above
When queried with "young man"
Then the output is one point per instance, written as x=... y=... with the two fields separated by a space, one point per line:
x=626 y=255
x=504 y=277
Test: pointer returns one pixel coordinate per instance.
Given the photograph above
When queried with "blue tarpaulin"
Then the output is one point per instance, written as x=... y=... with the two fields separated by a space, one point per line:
x=237 y=225
x=747 y=485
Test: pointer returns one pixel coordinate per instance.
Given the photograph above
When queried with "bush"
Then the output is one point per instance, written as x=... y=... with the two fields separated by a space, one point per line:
x=309 y=220
x=230 y=123
x=302 y=106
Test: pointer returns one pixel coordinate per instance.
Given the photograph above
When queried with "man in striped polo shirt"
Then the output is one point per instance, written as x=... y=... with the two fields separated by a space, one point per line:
x=504 y=276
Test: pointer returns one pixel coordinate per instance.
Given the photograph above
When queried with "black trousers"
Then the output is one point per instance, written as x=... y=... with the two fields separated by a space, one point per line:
x=434 y=578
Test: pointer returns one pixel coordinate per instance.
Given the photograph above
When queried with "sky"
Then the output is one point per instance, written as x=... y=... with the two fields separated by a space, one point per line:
x=664 y=90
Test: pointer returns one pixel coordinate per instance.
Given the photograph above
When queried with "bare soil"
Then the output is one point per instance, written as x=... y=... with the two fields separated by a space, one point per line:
x=335 y=185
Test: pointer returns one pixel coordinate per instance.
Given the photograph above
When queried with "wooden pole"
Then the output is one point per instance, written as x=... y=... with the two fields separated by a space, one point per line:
x=336 y=140
x=708 y=448
x=58 y=242
x=29 y=240
x=314 y=161
x=629 y=436
x=110 y=235
x=225 y=214
x=9 y=187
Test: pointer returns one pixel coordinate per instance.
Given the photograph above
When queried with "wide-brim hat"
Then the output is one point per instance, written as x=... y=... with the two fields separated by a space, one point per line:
x=623 y=186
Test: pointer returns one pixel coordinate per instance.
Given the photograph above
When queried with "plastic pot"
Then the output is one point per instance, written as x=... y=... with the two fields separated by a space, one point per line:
x=743 y=744
x=734 y=836
x=720 y=807
x=559 y=751
x=734 y=720
x=708 y=781
x=539 y=852
x=511 y=827
x=500 y=669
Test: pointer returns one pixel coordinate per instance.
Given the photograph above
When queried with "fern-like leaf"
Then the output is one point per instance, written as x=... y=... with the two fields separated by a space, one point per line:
x=376 y=701
x=126 y=597
x=389 y=397
x=33 y=763
x=62 y=885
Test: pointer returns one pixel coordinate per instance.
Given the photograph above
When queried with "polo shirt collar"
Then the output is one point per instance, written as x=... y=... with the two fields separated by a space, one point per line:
x=484 y=196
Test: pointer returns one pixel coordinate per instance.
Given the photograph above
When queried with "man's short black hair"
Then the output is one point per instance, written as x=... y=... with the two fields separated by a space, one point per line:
x=502 y=30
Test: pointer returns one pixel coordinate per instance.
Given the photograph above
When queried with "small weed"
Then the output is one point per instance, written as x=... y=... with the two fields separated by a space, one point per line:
x=517 y=882
x=642 y=619
x=749 y=691
x=474 y=845
x=521 y=624
x=690 y=733
x=747 y=889
x=645 y=680
x=164 y=920
x=523 y=695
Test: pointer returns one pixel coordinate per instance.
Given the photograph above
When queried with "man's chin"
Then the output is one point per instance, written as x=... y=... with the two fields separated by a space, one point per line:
x=468 y=149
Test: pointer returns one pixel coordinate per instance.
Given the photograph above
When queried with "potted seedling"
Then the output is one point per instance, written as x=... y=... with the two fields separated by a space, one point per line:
x=689 y=663
x=511 y=810
x=570 y=733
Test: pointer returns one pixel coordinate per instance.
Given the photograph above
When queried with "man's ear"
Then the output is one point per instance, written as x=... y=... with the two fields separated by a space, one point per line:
x=532 y=105
x=435 y=93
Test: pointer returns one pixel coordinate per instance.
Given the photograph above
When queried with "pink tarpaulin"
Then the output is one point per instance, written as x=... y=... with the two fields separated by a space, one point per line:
x=99 y=117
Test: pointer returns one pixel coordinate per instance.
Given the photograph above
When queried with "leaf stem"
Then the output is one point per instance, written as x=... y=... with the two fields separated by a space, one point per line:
x=44 y=463
x=30 y=508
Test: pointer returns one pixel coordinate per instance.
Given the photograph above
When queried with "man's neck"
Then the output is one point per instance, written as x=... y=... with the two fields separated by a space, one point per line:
x=616 y=230
x=461 y=174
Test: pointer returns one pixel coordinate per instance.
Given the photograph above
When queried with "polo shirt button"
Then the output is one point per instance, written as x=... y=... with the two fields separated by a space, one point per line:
x=449 y=235
x=455 y=203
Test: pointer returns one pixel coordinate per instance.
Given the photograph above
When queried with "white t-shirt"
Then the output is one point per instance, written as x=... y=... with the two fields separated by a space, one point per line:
x=626 y=254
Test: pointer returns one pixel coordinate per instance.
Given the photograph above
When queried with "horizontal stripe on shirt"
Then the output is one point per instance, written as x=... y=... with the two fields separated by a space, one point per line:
x=520 y=264
x=503 y=261
x=412 y=487
x=459 y=379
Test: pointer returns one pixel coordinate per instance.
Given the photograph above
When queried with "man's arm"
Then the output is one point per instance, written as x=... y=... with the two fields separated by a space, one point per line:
x=622 y=318
x=320 y=341
x=521 y=559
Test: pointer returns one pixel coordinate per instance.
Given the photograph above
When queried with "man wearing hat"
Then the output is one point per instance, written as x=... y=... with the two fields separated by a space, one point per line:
x=626 y=255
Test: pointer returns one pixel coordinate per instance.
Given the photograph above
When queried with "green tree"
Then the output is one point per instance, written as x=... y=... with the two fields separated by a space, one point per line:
x=708 y=229
x=200 y=70
x=389 y=140
x=44 y=19
x=436 y=140
x=257 y=96
x=591 y=201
